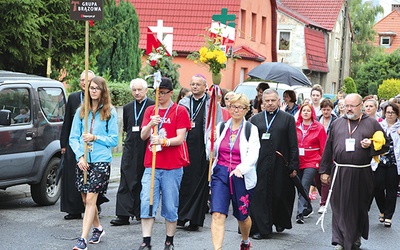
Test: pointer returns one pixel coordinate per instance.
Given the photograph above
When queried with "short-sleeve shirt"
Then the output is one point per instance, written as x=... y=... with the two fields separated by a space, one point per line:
x=169 y=157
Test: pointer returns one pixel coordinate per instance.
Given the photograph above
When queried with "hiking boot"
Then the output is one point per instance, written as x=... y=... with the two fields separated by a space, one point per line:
x=80 y=244
x=97 y=234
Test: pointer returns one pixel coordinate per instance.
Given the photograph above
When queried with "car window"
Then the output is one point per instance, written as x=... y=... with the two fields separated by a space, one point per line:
x=17 y=101
x=52 y=103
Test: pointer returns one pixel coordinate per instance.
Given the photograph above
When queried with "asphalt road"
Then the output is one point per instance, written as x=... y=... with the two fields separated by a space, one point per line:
x=24 y=225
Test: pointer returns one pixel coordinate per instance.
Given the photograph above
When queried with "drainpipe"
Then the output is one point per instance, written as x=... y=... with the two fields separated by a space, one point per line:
x=344 y=44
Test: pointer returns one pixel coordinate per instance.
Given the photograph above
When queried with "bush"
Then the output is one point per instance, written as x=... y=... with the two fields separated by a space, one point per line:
x=389 y=88
x=349 y=85
x=120 y=93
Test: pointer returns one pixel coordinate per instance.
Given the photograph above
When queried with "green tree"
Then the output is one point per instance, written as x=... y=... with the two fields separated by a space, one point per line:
x=33 y=30
x=349 y=85
x=378 y=68
x=389 y=88
x=123 y=57
x=20 y=39
x=362 y=16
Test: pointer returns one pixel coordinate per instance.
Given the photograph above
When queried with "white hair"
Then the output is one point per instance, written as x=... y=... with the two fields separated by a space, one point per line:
x=138 y=80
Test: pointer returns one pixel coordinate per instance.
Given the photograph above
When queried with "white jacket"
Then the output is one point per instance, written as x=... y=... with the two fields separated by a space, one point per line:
x=248 y=152
x=396 y=139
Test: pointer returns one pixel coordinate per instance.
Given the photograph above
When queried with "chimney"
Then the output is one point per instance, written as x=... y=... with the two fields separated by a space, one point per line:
x=396 y=7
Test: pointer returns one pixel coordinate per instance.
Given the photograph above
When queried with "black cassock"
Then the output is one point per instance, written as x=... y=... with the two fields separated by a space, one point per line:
x=273 y=198
x=71 y=199
x=132 y=168
x=193 y=193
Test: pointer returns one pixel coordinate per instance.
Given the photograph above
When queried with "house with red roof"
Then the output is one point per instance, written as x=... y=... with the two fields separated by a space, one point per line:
x=388 y=31
x=254 y=34
x=315 y=36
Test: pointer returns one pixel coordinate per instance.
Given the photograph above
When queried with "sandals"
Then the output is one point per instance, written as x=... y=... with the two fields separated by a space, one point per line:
x=381 y=218
x=387 y=223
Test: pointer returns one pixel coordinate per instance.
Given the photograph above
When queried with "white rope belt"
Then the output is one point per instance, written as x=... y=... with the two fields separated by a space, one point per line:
x=352 y=166
x=321 y=218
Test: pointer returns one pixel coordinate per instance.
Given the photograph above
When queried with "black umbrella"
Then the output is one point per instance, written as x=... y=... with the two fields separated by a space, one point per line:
x=296 y=181
x=280 y=73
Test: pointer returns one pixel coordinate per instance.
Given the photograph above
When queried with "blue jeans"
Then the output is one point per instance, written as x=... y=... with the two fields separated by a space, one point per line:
x=307 y=178
x=166 y=182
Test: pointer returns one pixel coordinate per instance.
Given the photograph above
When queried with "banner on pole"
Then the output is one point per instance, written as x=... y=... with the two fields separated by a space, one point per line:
x=163 y=36
x=86 y=10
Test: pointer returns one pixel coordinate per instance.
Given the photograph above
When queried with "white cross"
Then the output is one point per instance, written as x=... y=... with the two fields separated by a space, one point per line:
x=161 y=30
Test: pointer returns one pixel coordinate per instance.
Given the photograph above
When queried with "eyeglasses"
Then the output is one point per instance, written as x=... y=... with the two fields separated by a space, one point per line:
x=95 y=89
x=348 y=106
x=162 y=93
x=390 y=113
x=240 y=108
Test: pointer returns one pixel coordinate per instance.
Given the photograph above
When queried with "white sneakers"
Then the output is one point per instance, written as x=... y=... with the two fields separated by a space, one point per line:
x=322 y=209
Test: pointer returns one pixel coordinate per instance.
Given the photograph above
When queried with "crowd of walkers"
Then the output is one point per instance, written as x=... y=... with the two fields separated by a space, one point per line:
x=263 y=151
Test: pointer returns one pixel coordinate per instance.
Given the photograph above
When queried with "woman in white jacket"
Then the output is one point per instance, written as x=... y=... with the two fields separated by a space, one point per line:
x=387 y=173
x=234 y=171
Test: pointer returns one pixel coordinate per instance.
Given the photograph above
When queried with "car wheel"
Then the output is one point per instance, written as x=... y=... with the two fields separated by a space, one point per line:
x=46 y=192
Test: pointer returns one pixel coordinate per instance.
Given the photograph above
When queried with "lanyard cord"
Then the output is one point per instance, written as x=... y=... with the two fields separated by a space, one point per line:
x=352 y=131
x=140 y=112
x=272 y=120
x=196 y=112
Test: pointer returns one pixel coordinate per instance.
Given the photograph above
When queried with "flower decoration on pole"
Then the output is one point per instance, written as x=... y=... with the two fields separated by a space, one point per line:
x=212 y=55
x=159 y=60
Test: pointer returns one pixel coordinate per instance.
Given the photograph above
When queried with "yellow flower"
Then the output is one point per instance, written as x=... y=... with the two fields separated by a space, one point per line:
x=203 y=51
x=210 y=55
x=221 y=58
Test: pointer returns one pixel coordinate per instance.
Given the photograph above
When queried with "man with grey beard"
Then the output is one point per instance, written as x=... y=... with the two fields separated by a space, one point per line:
x=346 y=165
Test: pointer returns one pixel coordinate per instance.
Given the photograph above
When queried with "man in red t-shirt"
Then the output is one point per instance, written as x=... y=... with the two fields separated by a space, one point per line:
x=173 y=122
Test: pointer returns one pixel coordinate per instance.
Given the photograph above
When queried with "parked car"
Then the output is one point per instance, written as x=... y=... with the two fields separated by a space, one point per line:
x=31 y=116
x=249 y=89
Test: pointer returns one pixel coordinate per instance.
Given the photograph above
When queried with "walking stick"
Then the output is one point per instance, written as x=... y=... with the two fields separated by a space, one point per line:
x=157 y=81
x=86 y=101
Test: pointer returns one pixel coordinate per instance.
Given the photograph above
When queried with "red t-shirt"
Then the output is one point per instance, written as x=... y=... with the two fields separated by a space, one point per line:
x=172 y=157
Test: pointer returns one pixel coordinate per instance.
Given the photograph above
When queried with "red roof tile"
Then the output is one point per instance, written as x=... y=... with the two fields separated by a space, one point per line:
x=248 y=53
x=324 y=12
x=298 y=16
x=189 y=18
x=315 y=50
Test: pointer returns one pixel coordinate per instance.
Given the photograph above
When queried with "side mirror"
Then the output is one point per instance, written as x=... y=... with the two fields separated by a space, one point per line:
x=5 y=117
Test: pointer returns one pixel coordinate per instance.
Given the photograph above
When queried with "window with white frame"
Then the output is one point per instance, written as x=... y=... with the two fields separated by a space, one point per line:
x=337 y=49
x=385 y=41
x=284 y=40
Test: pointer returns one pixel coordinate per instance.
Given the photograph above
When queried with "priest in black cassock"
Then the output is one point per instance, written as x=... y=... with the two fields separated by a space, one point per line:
x=346 y=164
x=132 y=162
x=71 y=199
x=194 y=190
x=273 y=198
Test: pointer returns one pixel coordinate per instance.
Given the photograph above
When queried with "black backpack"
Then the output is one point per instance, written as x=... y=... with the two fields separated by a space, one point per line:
x=247 y=129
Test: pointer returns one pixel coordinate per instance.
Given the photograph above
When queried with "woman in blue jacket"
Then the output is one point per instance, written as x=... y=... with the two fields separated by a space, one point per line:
x=102 y=134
